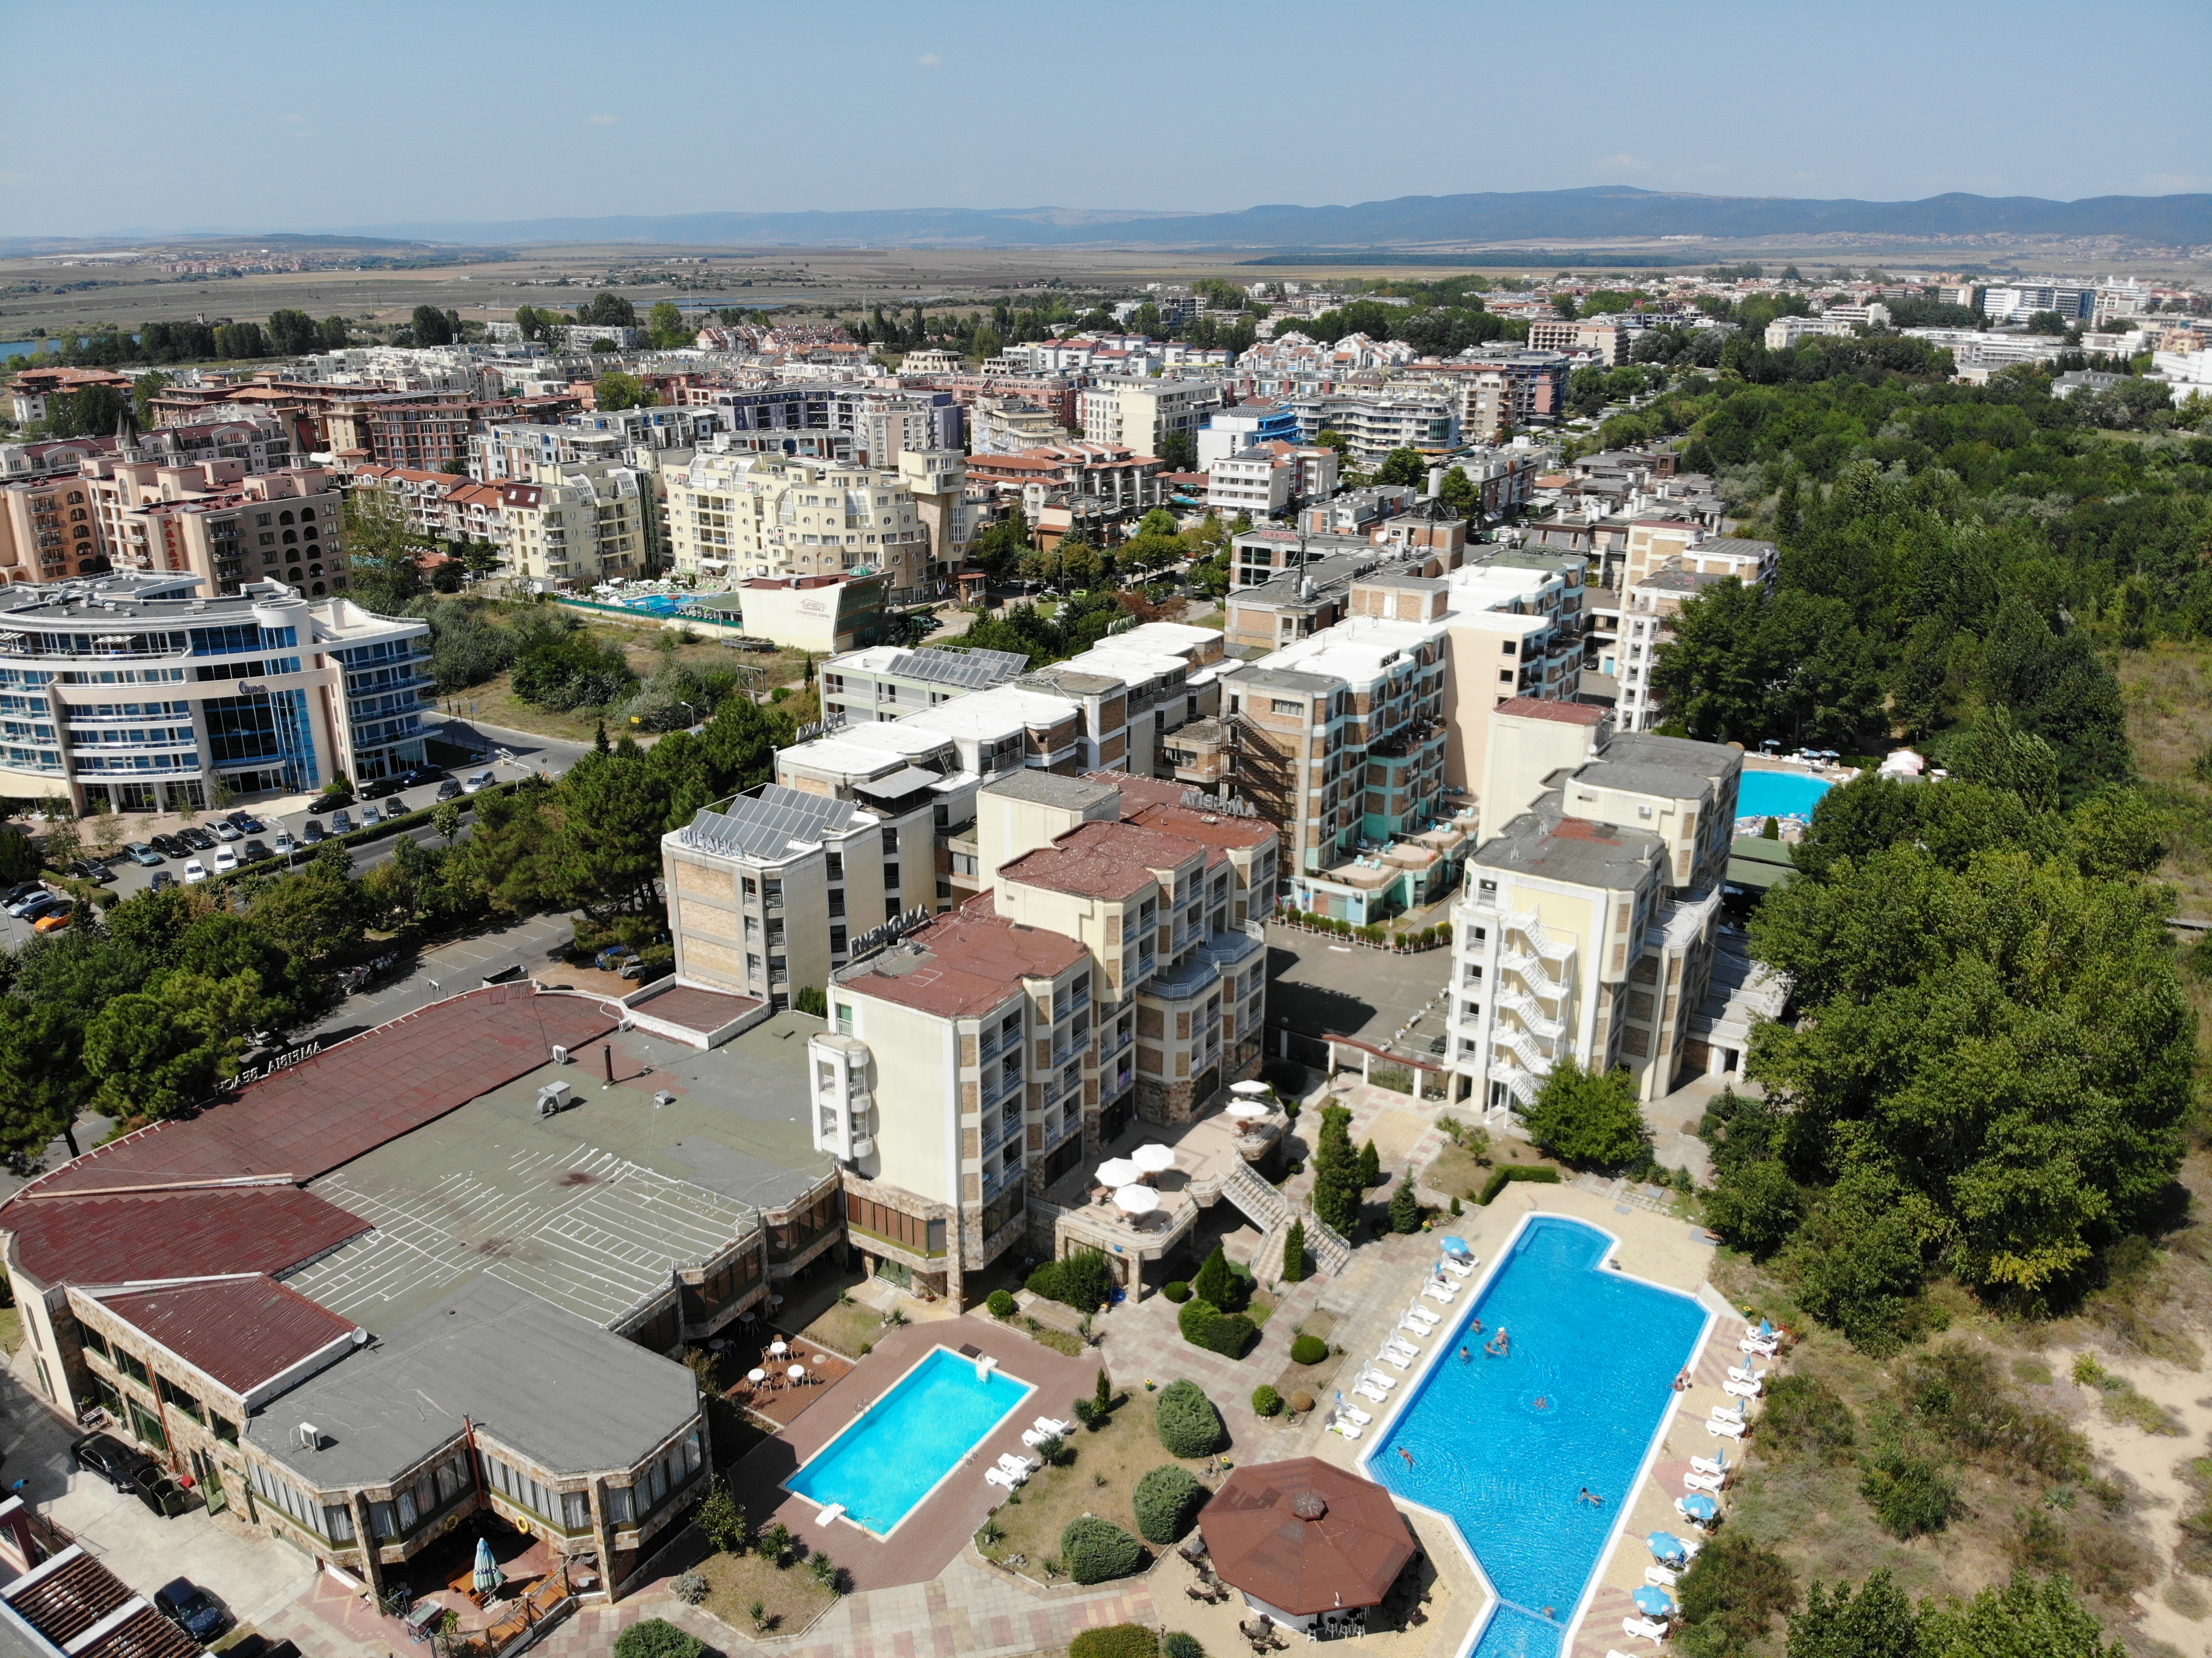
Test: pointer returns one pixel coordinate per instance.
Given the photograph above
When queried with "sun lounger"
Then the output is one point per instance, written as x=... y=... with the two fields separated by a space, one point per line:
x=1436 y=1291
x=1355 y=1414
x=1458 y=1268
x=1400 y=1344
x=1725 y=1427
x=1704 y=1482
x=1020 y=1465
x=1764 y=1349
x=1379 y=1379
x=1000 y=1477
x=1419 y=1329
x=1047 y=1424
x=1395 y=1361
x=1643 y=1629
x=1711 y=1464
x=1416 y=1310
x=1660 y=1578
x=1035 y=1436
x=1338 y=1425
x=1743 y=1390
x=1743 y=1372
x=1367 y=1389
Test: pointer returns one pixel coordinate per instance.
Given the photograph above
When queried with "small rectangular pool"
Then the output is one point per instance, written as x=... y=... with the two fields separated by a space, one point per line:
x=904 y=1445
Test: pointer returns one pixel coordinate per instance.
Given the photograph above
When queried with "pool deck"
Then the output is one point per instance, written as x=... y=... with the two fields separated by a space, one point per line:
x=1664 y=1249
x=936 y=1529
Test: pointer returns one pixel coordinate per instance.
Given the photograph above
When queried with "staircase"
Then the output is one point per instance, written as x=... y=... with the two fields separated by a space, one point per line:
x=1271 y=1212
x=1532 y=974
x=1530 y=1012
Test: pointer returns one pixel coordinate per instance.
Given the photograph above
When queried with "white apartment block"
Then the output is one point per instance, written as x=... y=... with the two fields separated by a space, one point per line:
x=1255 y=481
x=743 y=515
x=577 y=525
x=1142 y=414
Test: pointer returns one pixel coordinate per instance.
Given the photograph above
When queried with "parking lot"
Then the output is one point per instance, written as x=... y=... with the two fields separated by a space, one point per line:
x=1320 y=986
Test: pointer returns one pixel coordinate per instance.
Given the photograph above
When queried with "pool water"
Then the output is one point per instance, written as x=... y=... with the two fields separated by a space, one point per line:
x=896 y=1451
x=1504 y=1447
x=1779 y=794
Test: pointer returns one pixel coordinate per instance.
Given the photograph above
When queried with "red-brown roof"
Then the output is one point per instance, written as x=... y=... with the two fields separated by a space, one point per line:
x=1566 y=713
x=966 y=964
x=1152 y=804
x=1305 y=1536
x=190 y=1233
x=244 y=1331
x=1102 y=860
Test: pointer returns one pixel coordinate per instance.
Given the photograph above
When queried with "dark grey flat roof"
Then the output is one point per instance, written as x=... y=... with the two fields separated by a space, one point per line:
x=1047 y=790
x=1710 y=759
x=1547 y=843
x=552 y=1385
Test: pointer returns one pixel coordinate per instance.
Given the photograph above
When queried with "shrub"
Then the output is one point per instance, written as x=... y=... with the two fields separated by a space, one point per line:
x=1215 y=1283
x=1309 y=1350
x=1405 y=1208
x=1266 y=1401
x=1001 y=1303
x=1294 y=1252
x=1909 y=1494
x=1097 y=1549
x=1116 y=1640
x=1187 y=1421
x=1370 y=1167
x=1543 y=1174
x=1167 y=1501
x=1204 y=1325
x=1081 y=1281
x=1959 y=1393
x=689 y=1587
x=1301 y=1401
x=1733 y=1589
x=1336 y=1171
x=1176 y=1291
x=1590 y=1118
x=1804 y=1413
x=1179 y=1645
x=656 y=1638
x=721 y=1521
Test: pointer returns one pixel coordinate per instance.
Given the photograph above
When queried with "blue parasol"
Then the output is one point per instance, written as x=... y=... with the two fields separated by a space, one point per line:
x=1766 y=1329
x=1700 y=1507
x=1654 y=1602
x=1454 y=1246
x=1666 y=1546
x=489 y=1577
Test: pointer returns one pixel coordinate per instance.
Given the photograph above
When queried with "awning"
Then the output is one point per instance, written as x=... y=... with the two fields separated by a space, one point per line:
x=906 y=780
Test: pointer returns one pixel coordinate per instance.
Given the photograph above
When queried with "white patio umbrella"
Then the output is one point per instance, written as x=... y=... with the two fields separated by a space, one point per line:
x=1118 y=1172
x=1253 y=1089
x=1136 y=1199
x=1153 y=1159
x=1248 y=1110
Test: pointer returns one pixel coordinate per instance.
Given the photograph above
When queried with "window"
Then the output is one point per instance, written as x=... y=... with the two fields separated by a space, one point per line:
x=104 y=1391
x=620 y=1511
x=133 y=1366
x=95 y=1341
x=178 y=1400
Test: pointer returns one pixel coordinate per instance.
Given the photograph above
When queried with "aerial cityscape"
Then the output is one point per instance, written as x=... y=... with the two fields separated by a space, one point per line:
x=1449 y=891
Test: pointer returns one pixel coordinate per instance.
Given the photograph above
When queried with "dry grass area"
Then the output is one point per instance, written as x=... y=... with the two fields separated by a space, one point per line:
x=2169 y=708
x=847 y=1328
x=788 y=1596
x=1100 y=1480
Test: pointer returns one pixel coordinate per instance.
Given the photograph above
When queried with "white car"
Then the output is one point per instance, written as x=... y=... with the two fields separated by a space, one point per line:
x=477 y=781
x=195 y=870
x=223 y=829
x=225 y=860
x=283 y=845
x=371 y=814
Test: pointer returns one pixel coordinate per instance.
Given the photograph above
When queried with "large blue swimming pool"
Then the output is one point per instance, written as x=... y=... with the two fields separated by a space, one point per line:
x=1504 y=1447
x=1779 y=794
x=893 y=1456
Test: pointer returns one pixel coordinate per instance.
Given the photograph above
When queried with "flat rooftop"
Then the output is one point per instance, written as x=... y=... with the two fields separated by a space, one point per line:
x=594 y=1207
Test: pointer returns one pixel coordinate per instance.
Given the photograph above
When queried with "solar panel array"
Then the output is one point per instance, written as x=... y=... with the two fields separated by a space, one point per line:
x=971 y=669
x=763 y=824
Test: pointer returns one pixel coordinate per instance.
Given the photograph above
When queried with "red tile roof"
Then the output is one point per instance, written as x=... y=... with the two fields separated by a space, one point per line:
x=244 y=1331
x=305 y=1121
x=1102 y=860
x=1305 y=1535
x=1566 y=713
x=171 y=1234
x=966 y=964
x=1153 y=804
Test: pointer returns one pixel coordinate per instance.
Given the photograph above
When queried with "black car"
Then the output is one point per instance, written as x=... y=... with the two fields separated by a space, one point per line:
x=85 y=870
x=119 y=1463
x=421 y=775
x=162 y=878
x=191 y=1609
x=247 y=823
x=253 y=851
x=312 y=830
x=197 y=839
x=382 y=788
x=334 y=800
x=16 y=894
x=449 y=789
x=170 y=846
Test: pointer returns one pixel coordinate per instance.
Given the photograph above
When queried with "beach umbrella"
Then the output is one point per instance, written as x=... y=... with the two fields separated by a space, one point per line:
x=1153 y=1159
x=1118 y=1172
x=1136 y=1199
x=1246 y=1108
x=1700 y=1507
x=1665 y=1546
x=489 y=1576
x=1654 y=1602
x=1765 y=1329
x=1456 y=1246
x=1250 y=1088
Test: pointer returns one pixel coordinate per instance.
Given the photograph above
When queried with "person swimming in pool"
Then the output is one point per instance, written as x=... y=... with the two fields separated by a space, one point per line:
x=1407 y=1455
x=1499 y=1345
x=1591 y=1497
x=1465 y=1357
x=1543 y=1402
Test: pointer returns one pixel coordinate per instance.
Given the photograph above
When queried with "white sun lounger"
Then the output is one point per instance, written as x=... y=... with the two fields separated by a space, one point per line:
x=1355 y=1414
x=1337 y=1425
x=1643 y=1629
x=1000 y=1477
x=1400 y=1344
x=1379 y=1379
x=1711 y=1464
x=1743 y=1372
x=1660 y=1578
x=1367 y=1389
x=1046 y=1424
x=1436 y=1291
x=1416 y=1310
x=1762 y=1349
x=1396 y=1361
x=1743 y=1390
x=1704 y=1482
x=1419 y=1329
x=1457 y=1268
x=1726 y=1427
x=1020 y=1465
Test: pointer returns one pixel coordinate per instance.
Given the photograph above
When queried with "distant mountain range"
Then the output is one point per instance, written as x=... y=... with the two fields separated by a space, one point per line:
x=1599 y=213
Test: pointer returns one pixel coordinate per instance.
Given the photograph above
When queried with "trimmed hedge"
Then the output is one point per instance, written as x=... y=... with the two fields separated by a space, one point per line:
x=1543 y=1175
x=1266 y=1401
x=1204 y=1325
x=656 y=1638
x=1116 y=1640
x=1179 y=1645
x=1095 y=1550
x=1176 y=1291
x=1187 y=1422
x=1083 y=1281
x=1168 y=1500
x=1309 y=1350
x=1002 y=1304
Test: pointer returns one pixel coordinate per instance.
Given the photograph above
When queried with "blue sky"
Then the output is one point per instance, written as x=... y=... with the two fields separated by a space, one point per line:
x=268 y=117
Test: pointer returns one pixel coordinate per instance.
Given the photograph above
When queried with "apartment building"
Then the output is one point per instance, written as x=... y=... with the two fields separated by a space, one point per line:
x=1501 y=391
x=49 y=529
x=981 y=1056
x=1239 y=427
x=1110 y=475
x=1783 y=332
x=1609 y=338
x=578 y=525
x=739 y=513
x=888 y=682
x=1356 y=512
x=31 y=387
x=885 y=424
x=1668 y=561
x=214 y=521
x=1013 y=425
x=1254 y=481
x=1143 y=413
x=1589 y=925
x=938 y=480
x=1376 y=425
x=260 y=690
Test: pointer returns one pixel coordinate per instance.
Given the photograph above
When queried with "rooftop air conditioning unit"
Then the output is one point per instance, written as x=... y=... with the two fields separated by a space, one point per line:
x=553 y=1096
x=560 y=1054
x=308 y=1436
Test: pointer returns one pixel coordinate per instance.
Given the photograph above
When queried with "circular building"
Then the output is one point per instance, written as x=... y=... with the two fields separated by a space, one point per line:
x=1310 y=1544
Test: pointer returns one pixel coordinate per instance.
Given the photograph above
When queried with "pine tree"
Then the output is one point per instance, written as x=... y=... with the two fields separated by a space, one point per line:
x=1214 y=1283
x=1294 y=1252
x=1102 y=1400
x=1370 y=1167
x=1336 y=1175
x=1405 y=1208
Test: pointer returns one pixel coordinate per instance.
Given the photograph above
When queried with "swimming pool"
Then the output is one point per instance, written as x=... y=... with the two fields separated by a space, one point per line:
x=1504 y=1447
x=1779 y=794
x=904 y=1445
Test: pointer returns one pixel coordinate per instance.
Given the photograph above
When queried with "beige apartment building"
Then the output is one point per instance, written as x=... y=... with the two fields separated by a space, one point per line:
x=212 y=519
x=1142 y=414
x=579 y=524
x=742 y=514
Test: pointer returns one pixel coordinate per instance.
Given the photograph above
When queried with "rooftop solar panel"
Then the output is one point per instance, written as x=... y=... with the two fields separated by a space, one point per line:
x=764 y=824
x=976 y=670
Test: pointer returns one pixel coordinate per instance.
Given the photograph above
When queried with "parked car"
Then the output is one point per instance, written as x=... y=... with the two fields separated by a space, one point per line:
x=23 y=889
x=197 y=838
x=162 y=880
x=108 y=1458
x=612 y=958
x=55 y=920
x=312 y=831
x=342 y=822
x=171 y=847
x=247 y=823
x=225 y=861
x=334 y=800
x=382 y=788
x=191 y=1609
x=422 y=775
x=371 y=816
x=225 y=830
x=476 y=780
x=448 y=789
x=254 y=852
x=28 y=906
x=85 y=870
x=285 y=844
x=142 y=854
x=194 y=871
